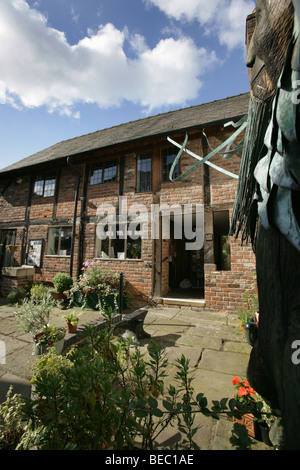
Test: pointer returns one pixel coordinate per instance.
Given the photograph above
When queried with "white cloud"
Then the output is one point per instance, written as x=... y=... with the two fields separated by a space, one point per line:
x=40 y=68
x=226 y=19
x=74 y=15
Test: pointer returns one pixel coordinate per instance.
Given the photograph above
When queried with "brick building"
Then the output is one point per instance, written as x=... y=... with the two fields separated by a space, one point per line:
x=50 y=219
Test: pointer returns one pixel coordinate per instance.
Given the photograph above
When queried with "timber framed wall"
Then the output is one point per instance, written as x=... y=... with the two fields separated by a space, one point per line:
x=75 y=201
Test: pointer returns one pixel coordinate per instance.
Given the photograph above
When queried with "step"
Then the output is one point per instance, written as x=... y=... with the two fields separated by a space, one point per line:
x=183 y=302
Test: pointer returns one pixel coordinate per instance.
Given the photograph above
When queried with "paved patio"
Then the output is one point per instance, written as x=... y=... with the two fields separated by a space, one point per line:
x=211 y=341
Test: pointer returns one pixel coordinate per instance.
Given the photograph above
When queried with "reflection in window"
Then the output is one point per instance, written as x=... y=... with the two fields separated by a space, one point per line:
x=7 y=247
x=104 y=173
x=121 y=242
x=44 y=187
x=59 y=241
x=144 y=173
x=168 y=157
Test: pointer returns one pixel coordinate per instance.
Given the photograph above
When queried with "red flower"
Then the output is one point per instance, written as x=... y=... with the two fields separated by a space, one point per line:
x=245 y=383
x=242 y=391
x=235 y=380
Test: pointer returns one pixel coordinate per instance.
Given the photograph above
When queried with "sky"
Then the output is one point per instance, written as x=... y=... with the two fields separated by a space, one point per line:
x=71 y=67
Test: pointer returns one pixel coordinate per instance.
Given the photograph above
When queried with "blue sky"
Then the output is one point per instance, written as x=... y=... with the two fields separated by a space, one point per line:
x=71 y=67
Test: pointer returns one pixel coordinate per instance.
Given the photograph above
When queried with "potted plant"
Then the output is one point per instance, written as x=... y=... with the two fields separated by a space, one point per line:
x=248 y=316
x=72 y=321
x=98 y=288
x=62 y=282
x=245 y=398
x=259 y=415
x=49 y=336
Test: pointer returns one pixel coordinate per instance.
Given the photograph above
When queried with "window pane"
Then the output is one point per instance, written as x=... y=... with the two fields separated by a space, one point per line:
x=65 y=241
x=49 y=188
x=134 y=242
x=117 y=248
x=44 y=187
x=59 y=241
x=38 y=188
x=144 y=173
x=53 y=240
x=117 y=242
x=169 y=156
x=96 y=176
x=102 y=245
x=110 y=172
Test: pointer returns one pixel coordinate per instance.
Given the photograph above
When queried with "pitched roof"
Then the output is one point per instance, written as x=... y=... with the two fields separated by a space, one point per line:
x=162 y=124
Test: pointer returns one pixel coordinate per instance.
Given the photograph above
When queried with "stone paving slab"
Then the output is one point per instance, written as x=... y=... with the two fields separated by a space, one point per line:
x=202 y=316
x=224 y=362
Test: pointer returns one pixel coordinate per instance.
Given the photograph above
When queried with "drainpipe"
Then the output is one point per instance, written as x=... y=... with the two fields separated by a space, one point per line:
x=75 y=213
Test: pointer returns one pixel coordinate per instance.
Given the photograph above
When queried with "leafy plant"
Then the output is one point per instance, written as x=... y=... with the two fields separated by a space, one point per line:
x=243 y=392
x=98 y=283
x=32 y=316
x=248 y=311
x=11 y=426
x=50 y=334
x=72 y=318
x=62 y=282
x=249 y=307
x=37 y=291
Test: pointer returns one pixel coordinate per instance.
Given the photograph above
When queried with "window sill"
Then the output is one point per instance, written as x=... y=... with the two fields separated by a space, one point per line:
x=119 y=259
x=57 y=256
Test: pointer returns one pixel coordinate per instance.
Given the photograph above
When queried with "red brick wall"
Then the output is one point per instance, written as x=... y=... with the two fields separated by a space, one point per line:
x=224 y=290
x=14 y=200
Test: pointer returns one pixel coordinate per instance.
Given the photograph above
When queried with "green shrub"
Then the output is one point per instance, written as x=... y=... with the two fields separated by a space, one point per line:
x=62 y=282
x=32 y=315
x=11 y=426
x=37 y=291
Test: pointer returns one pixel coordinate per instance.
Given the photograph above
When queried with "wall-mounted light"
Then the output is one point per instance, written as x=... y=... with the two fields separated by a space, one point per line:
x=19 y=180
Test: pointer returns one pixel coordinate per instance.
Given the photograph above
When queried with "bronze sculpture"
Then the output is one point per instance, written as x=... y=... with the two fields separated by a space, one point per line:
x=267 y=207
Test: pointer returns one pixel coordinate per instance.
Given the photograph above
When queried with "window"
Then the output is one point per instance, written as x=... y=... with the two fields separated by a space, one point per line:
x=44 y=187
x=122 y=242
x=168 y=157
x=144 y=173
x=59 y=241
x=105 y=172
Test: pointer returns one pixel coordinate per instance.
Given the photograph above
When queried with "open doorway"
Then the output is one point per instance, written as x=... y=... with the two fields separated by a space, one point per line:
x=186 y=269
x=222 y=250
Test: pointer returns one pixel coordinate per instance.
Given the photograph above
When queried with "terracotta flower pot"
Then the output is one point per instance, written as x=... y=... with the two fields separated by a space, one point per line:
x=251 y=425
x=71 y=328
x=58 y=296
